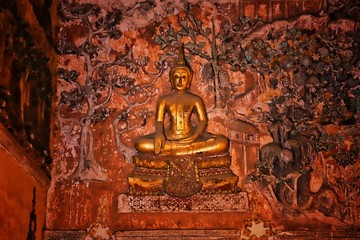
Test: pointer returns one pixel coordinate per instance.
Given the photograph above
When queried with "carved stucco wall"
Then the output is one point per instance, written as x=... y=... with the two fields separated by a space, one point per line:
x=295 y=81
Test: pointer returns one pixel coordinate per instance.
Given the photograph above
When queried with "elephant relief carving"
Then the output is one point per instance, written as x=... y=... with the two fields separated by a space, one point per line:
x=285 y=165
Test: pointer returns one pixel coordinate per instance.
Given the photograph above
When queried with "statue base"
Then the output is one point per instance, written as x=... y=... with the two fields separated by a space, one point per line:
x=233 y=202
x=182 y=176
x=198 y=212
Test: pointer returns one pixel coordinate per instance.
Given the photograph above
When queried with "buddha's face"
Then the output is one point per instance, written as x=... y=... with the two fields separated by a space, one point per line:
x=180 y=79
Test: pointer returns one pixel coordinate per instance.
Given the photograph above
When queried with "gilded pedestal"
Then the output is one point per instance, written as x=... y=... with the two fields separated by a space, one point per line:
x=182 y=176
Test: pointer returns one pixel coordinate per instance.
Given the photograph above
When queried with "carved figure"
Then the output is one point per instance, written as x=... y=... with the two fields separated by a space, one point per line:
x=181 y=159
x=181 y=137
x=285 y=164
x=279 y=158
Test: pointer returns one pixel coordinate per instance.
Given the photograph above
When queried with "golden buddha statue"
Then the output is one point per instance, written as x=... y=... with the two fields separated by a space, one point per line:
x=181 y=137
x=181 y=159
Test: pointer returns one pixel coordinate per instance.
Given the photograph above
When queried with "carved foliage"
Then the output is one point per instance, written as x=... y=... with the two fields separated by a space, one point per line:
x=86 y=103
x=218 y=46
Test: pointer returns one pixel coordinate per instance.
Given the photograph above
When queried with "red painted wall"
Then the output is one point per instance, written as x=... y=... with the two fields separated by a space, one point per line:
x=18 y=179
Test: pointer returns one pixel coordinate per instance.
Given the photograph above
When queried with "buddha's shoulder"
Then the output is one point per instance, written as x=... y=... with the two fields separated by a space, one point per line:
x=165 y=97
x=194 y=96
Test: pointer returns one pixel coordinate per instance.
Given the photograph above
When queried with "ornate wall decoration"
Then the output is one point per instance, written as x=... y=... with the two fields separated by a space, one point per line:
x=312 y=75
x=237 y=202
x=295 y=82
x=100 y=230
x=257 y=226
x=219 y=44
x=85 y=104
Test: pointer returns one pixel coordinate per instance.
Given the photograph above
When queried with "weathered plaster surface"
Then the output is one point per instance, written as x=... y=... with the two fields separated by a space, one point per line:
x=294 y=81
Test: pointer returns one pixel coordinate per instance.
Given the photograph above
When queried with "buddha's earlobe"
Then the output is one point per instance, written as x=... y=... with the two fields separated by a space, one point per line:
x=189 y=83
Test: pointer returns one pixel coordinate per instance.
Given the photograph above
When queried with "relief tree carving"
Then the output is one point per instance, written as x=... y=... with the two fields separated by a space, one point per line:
x=314 y=79
x=317 y=76
x=133 y=96
x=86 y=103
x=223 y=42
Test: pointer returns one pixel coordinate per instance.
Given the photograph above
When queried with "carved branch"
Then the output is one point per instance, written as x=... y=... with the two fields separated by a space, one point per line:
x=106 y=100
x=125 y=151
x=155 y=75
x=88 y=24
x=88 y=168
x=71 y=119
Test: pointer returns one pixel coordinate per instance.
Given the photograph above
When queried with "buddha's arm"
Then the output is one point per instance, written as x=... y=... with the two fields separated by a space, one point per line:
x=159 y=140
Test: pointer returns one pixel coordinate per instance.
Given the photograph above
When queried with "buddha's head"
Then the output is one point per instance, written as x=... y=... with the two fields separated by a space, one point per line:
x=181 y=74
